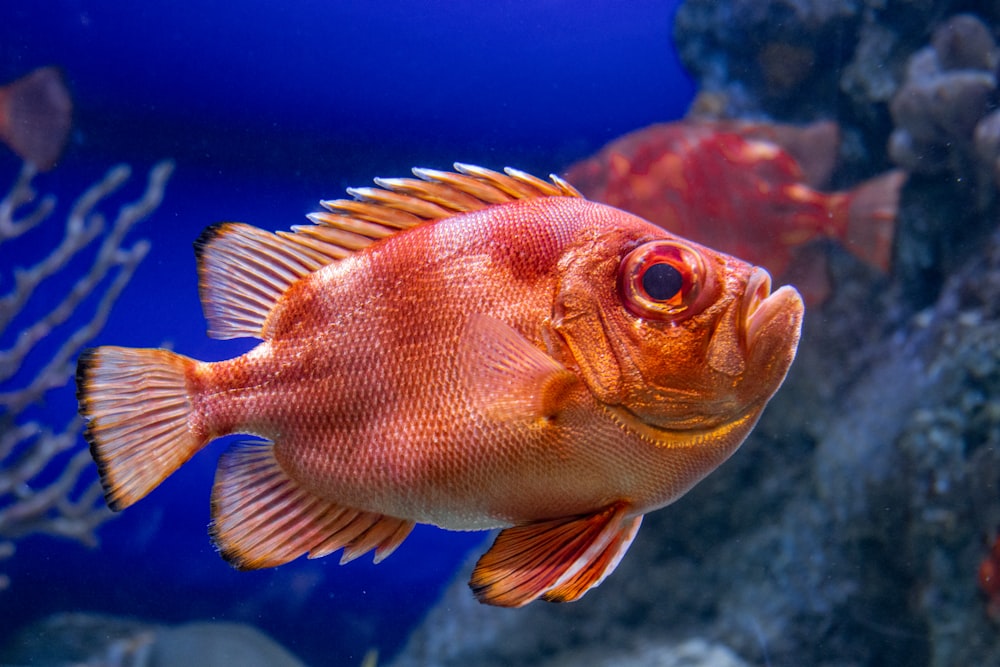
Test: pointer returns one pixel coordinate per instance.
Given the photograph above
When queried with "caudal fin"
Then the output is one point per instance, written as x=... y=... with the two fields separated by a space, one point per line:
x=871 y=218
x=38 y=117
x=138 y=411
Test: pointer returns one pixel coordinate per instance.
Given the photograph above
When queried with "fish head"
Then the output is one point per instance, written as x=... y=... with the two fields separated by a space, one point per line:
x=673 y=337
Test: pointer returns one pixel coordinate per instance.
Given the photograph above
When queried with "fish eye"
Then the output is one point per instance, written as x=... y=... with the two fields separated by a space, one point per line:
x=663 y=280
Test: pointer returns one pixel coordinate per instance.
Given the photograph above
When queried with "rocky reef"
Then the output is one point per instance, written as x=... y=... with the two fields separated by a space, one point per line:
x=96 y=640
x=850 y=528
x=940 y=110
x=912 y=84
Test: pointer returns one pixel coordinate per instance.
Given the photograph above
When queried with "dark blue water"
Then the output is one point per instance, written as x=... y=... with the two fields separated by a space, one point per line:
x=266 y=109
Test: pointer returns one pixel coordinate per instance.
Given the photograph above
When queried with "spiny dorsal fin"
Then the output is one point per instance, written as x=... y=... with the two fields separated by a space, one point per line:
x=348 y=225
x=243 y=270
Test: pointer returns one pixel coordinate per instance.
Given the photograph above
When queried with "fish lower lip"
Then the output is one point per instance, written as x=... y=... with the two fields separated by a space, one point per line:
x=758 y=304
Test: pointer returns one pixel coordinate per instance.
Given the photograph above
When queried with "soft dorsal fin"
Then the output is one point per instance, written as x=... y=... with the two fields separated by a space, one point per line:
x=244 y=270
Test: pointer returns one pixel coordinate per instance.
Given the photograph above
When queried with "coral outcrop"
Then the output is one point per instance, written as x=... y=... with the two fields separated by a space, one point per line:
x=949 y=89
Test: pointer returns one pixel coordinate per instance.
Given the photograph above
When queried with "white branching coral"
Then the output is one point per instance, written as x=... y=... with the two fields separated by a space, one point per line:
x=43 y=483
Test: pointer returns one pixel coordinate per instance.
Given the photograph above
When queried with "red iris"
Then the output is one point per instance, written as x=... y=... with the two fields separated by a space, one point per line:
x=663 y=280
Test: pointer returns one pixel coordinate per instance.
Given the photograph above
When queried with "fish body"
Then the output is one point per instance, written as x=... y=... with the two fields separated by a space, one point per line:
x=748 y=189
x=36 y=113
x=521 y=359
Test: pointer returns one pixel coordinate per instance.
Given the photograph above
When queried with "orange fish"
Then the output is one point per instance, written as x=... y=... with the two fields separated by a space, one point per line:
x=748 y=189
x=36 y=113
x=472 y=350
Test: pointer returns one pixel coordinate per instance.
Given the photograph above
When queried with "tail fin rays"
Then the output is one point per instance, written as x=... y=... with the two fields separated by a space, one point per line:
x=138 y=408
x=871 y=218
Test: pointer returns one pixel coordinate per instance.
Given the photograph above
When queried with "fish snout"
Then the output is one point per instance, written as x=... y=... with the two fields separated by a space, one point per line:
x=760 y=309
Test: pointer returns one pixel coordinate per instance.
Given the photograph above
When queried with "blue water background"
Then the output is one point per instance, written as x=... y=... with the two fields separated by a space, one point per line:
x=267 y=108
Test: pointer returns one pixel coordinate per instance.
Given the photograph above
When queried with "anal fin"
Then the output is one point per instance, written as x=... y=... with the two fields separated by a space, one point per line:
x=557 y=560
x=263 y=518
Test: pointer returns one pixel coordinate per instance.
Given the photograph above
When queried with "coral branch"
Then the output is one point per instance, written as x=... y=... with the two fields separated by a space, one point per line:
x=44 y=486
x=22 y=194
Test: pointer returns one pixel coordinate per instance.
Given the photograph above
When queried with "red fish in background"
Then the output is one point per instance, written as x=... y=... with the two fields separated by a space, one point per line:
x=36 y=113
x=989 y=580
x=748 y=189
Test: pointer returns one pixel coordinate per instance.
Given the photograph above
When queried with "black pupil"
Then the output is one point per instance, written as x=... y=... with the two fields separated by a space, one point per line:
x=662 y=281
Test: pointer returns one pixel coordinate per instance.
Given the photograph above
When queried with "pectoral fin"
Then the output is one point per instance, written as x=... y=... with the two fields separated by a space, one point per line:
x=508 y=377
x=557 y=560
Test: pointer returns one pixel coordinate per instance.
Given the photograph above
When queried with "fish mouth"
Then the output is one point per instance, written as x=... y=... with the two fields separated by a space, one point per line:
x=759 y=306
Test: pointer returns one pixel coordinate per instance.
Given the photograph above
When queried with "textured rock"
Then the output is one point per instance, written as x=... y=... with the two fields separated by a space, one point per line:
x=108 y=641
x=692 y=653
x=950 y=86
x=964 y=42
x=987 y=143
x=218 y=644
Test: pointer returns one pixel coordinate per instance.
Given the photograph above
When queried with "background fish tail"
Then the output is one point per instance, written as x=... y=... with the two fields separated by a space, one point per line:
x=38 y=117
x=138 y=408
x=871 y=218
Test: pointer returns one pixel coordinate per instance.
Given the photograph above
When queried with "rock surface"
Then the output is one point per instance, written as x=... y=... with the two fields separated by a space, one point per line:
x=97 y=640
